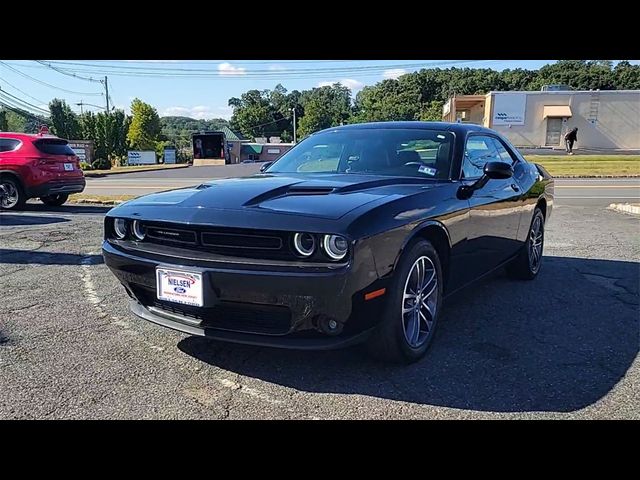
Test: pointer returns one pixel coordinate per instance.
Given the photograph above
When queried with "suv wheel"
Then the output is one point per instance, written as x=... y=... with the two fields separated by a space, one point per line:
x=55 y=200
x=12 y=196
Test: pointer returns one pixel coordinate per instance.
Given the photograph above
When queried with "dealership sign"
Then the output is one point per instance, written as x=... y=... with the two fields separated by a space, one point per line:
x=509 y=108
x=83 y=149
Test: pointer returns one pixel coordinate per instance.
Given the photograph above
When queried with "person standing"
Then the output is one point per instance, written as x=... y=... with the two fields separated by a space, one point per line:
x=570 y=138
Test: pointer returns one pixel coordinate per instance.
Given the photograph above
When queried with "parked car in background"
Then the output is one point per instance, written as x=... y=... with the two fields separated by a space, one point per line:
x=356 y=234
x=37 y=166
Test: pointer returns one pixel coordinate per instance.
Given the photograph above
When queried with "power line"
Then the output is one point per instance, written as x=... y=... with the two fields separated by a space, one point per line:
x=45 y=83
x=59 y=70
x=137 y=71
x=20 y=111
x=24 y=93
x=20 y=101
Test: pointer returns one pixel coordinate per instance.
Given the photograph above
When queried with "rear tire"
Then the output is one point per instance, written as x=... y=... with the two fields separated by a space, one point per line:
x=15 y=197
x=527 y=264
x=413 y=307
x=55 y=200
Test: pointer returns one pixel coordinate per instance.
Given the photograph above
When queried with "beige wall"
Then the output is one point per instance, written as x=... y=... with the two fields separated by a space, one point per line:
x=617 y=125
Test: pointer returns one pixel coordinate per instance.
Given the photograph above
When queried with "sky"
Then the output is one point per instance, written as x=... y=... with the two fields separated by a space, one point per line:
x=200 y=88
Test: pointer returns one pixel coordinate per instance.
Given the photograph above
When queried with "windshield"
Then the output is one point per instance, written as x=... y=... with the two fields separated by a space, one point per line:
x=375 y=151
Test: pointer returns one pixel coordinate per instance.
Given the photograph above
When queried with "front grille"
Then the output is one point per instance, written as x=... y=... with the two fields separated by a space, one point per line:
x=234 y=240
x=171 y=235
x=264 y=244
x=236 y=317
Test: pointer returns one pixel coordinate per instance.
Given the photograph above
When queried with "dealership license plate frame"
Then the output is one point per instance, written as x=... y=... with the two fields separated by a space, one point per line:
x=68 y=167
x=174 y=296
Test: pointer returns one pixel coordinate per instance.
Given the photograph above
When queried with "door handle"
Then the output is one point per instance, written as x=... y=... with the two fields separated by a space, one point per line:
x=515 y=187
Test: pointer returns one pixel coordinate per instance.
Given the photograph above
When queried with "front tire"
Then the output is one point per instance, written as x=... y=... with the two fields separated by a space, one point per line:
x=12 y=195
x=527 y=264
x=413 y=307
x=55 y=200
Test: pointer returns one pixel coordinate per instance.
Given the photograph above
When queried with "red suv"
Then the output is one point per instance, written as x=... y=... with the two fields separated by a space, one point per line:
x=37 y=166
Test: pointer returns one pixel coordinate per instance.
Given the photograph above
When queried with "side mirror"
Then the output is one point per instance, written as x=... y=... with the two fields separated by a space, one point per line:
x=491 y=170
x=265 y=165
x=498 y=170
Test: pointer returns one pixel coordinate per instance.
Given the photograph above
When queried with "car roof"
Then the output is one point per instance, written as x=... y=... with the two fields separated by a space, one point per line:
x=25 y=136
x=446 y=126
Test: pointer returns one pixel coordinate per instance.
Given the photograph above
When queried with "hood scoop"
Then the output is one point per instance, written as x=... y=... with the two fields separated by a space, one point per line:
x=309 y=190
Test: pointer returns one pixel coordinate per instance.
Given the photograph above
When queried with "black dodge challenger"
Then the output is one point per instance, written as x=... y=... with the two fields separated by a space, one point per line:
x=356 y=234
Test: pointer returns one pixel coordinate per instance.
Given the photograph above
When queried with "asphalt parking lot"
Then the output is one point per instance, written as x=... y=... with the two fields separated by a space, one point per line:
x=563 y=346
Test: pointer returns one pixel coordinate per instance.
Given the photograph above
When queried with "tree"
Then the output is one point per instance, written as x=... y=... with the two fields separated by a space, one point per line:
x=4 y=124
x=16 y=123
x=325 y=107
x=64 y=122
x=388 y=100
x=145 y=126
x=431 y=112
x=253 y=114
x=626 y=76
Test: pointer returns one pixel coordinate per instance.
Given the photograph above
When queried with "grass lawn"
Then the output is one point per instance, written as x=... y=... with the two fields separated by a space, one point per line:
x=108 y=199
x=588 y=165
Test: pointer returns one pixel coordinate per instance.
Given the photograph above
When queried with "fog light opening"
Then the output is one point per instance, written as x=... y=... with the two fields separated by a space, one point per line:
x=329 y=325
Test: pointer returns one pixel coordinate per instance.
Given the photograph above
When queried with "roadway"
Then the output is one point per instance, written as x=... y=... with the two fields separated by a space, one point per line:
x=564 y=346
x=592 y=192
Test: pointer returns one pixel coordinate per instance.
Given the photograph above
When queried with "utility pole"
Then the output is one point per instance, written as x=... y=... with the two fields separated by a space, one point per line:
x=106 y=90
x=294 y=125
x=81 y=104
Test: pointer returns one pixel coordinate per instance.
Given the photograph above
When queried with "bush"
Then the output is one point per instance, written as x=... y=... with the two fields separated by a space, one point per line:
x=101 y=164
x=85 y=166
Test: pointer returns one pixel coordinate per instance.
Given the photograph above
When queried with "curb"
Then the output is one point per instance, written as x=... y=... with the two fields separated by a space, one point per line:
x=95 y=201
x=625 y=208
x=91 y=173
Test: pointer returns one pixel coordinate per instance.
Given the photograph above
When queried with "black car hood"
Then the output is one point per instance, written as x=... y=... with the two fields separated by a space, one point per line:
x=323 y=196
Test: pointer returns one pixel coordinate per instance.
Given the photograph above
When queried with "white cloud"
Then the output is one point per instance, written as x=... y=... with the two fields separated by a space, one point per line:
x=350 y=83
x=200 y=112
x=228 y=69
x=394 y=73
x=277 y=68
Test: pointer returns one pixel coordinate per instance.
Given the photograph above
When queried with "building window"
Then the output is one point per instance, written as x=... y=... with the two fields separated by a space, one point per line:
x=253 y=156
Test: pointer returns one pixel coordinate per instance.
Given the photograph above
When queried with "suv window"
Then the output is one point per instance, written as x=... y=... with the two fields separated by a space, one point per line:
x=9 y=144
x=479 y=150
x=54 y=147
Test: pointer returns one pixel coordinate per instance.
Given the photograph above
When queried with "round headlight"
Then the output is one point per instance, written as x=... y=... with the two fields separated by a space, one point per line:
x=138 y=230
x=120 y=227
x=335 y=246
x=304 y=243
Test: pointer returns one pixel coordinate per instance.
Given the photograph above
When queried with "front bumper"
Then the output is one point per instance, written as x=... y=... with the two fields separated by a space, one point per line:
x=243 y=304
x=55 y=187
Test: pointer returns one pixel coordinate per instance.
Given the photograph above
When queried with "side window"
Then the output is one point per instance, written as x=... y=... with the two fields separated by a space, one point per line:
x=8 y=144
x=504 y=155
x=479 y=150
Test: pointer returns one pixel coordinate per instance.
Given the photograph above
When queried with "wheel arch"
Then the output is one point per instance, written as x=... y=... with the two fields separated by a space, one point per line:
x=436 y=233
x=14 y=175
x=542 y=205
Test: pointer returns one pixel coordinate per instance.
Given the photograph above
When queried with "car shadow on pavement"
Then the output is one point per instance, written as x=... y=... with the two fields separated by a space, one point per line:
x=31 y=257
x=557 y=344
x=9 y=220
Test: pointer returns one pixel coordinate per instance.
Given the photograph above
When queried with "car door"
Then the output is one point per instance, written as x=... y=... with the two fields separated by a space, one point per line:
x=494 y=214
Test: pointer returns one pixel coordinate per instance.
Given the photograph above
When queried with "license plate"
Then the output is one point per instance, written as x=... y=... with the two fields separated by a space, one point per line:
x=179 y=286
x=68 y=167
